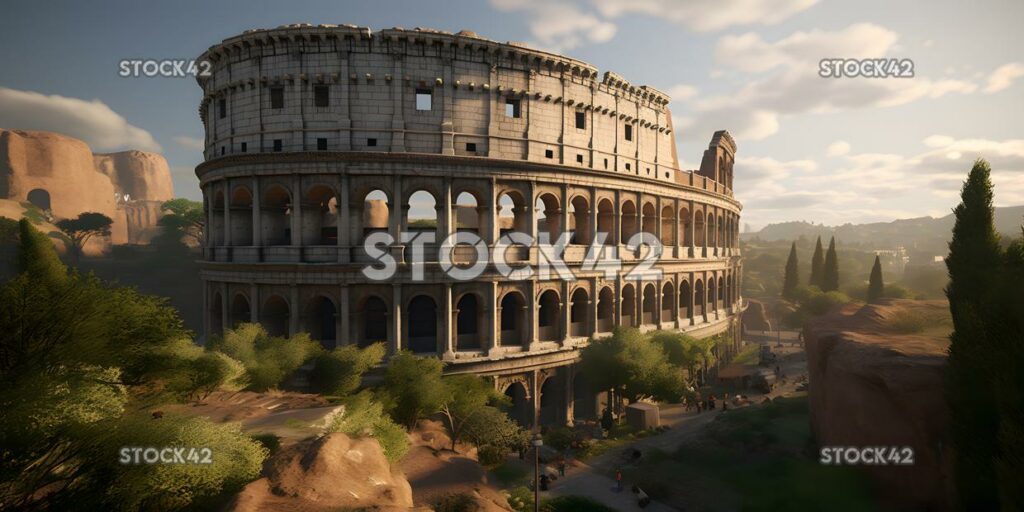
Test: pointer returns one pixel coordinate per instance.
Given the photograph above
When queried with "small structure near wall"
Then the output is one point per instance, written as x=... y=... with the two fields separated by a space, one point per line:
x=643 y=416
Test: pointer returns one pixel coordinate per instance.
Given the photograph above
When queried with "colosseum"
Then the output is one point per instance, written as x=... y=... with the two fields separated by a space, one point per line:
x=320 y=136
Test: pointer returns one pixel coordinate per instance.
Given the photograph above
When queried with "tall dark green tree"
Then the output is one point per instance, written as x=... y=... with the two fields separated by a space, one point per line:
x=791 y=279
x=818 y=266
x=973 y=264
x=830 y=280
x=875 y=283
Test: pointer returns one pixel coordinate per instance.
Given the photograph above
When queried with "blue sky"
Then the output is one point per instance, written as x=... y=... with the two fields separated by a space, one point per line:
x=832 y=151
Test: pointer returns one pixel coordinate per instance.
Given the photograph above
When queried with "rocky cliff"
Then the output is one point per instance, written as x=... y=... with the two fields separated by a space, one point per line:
x=142 y=175
x=876 y=379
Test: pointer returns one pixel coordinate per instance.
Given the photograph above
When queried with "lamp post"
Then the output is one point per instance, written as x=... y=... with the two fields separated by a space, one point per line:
x=537 y=443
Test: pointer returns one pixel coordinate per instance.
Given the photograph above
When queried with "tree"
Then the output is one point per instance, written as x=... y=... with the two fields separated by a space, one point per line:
x=471 y=412
x=875 y=284
x=80 y=229
x=1010 y=382
x=818 y=266
x=183 y=218
x=791 y=279
x=413 y=388
x=831 y=274
x=973 y=263
x=340 y=372
x=632 y=365
x=268 y=360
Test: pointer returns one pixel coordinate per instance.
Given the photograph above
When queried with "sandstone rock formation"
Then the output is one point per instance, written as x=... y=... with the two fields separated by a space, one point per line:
x=61 y=174
x=330 y=473
x=870 y=386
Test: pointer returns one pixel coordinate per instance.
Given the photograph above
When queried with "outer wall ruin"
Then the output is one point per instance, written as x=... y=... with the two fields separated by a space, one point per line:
x=318 y=136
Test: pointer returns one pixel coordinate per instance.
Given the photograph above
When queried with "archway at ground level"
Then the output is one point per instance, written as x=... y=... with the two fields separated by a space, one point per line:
x=552 y=400
x=321 y=319
x=521 y=410
x=422 y=328
x=467 y=332
x=275 y=316
x=374 y=317
x=40 y=198
x=585 y=399
x=513 y=318
x=240 y=311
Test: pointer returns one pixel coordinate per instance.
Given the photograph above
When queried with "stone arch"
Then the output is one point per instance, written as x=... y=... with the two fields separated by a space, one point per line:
x=376 y=212
x=548 y=315
x=421 y=212
x=579 y=218
x=372 y=316
x=649 y=224
x=685 y=234
x=698 y=228
x=512 y=213
x=628 y=228
x=39 y=197
x=629 y=306
x=606 y=221
x=712 y=297
x=548 y=216
x=712 y=240
x=275 y=213
x=521 y=411
x=512 y=320
x=721 y=293
x=584 y=402
x=668 y=299
x=321 y=321
x=217 y=204
x=241 y=310
x=685 y=299
x=217 y=314
x=650 y=304
x=275 y=315
x=469 y=322
x=668 y=228
x=698 y=300
x=552 y=400
x=579 y=313
x=605 y=310
x=468 y=215
x=421 y=324
x=320 y=216
x=240 y=205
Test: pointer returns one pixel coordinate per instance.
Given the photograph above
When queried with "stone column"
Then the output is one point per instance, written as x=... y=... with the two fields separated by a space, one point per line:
x=595 y=298
x=396 y=220
x=491 y=309
x=675 y=226
x=344 y=221
x=448 y=220
x=617 y=214
x=225 y=321
x=227 y=213
x=254 y=303
x=690 y=231
x=396 y=318
x=617 y=308
x=296 y=211
x=531 y=317
x=257 y=217
x=592 y=228
x=293 y=310
x=567 y=379
x=566 y=316
x=564 y=221
x=535 y=398
x=447 y=348
x=344 y=318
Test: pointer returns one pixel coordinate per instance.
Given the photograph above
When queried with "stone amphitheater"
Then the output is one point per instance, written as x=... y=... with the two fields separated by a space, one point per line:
x=319 y=137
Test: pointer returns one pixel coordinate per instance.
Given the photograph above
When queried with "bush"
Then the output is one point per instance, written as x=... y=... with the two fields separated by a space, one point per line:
x=520 y=499
x=906 y=322
x=268 y=360
x=461 y=502
x=490 y=455
x=364 y=417
x=823 y=302
x=559 y=438
x=895 y=291
x=340 y=372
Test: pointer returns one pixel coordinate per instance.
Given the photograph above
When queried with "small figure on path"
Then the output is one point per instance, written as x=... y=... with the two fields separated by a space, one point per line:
x=561 y=467
x=618 y=480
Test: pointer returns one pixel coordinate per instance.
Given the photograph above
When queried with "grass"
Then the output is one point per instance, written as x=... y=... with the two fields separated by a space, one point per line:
x=909 y=321
x=750 y=354
x=511 y=474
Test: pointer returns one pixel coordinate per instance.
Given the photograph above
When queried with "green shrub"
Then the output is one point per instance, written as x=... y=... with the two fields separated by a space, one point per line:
x=268 y=360
x=906 y=322
x=461 y=502
x=823 y=302
x=269 y=441
x=365 y=417
x=895 y=291
x=559 y=438
x=340 y=372
x=490 y=455
x=520 y=499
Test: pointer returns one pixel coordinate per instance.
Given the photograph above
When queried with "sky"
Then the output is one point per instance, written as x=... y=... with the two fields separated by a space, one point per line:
x=824 y=150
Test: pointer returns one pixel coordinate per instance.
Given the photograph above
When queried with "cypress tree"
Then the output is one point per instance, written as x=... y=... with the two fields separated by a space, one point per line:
x=875 y=284
x=831 y=273
x=973 y=264
x=818 y=266
x=790 y=281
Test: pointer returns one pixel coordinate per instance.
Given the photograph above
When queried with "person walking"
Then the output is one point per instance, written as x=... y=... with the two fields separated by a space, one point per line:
x=561 y=467
x=618 y=480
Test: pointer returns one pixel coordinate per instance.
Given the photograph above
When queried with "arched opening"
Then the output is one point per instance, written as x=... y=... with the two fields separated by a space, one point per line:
x=698 y=228
x=584 y=403
x=421 y=213
x=628 y=228
x=605 y=310
x=668 y=297
x=548 y=221
x=720 y=241
x=606 y=221
x=217 y=314
x=650 y=304
x=217 y=218
x=548 y=313
x=668 y=228
x=684 y=300
x=698 y=301
x=40 y=198
x=376 y=212
x=712 y=238
x=468 y=323
x=240 y=310
x=521 y=408
x=650 y=222
x=274 y=315
x=321 y=321
x=552 y=401
x=685 y=234
x=628 y=306
x=721 y=293
x=468 y=215
x=422 y=325
x=512 y=214
x=275 y=210
x=320 y=217
x=374 y=316
x=579 y=217
x=578 y=315
x=711 y=303
x=513 y=317
x=241 y=217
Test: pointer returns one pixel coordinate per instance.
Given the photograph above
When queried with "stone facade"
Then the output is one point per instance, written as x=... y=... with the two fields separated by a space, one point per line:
x=365 y=128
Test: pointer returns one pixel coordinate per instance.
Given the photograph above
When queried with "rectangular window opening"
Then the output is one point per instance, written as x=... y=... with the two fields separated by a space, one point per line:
x=512 y=108
x=371 y=142
x=424 y=99
x=277 y=97
x=321 y=144
x=548 y=153
x=579 y=159
x=629 y=132
x=245 y=146
x=277 y=145
x=321 y=96
x=222 y=108
x=581 y=120
x=471 y=147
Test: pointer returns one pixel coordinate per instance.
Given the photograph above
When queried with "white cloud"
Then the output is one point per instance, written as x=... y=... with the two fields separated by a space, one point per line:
x=91 y=121
x=188 y=142
x=749 y=52
x=1004 y=76
x=682 y=92
x=559 y=25
x=838 y=148
x=707 y=15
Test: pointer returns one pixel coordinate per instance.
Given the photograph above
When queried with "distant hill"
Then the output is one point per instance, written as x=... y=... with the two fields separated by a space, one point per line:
x=922 y=232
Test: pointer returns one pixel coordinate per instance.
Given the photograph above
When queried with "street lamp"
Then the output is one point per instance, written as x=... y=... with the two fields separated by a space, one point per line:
x=537 y=443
